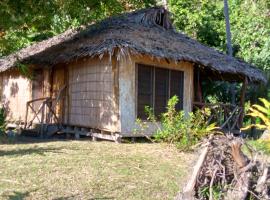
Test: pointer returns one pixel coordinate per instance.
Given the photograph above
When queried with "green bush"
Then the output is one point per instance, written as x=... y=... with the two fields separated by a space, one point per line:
x=177 y=128
x=2 y=120
x=3 y=136
x=260 y=145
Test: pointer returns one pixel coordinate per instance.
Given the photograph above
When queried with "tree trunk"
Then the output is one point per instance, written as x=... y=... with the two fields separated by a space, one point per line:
x=229 y=47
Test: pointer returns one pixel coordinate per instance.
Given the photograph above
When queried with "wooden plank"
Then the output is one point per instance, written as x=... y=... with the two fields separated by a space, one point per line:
x=242 y=101
x=112 y=137
x=189 y=188
x=42 y=120
x=26 y=115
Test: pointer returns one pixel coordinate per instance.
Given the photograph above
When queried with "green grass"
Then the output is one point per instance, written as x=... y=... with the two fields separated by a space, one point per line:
x=91 y=170
x=260 y=145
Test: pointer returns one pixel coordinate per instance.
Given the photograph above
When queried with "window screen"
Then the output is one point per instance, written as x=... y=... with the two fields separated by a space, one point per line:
x=155 y=86
x=177 y=87
x=145 y=89
x=161 y=90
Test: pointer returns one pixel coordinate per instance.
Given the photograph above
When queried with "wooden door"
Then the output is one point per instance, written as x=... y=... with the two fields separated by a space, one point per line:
x=58 y=84
x=37 y=87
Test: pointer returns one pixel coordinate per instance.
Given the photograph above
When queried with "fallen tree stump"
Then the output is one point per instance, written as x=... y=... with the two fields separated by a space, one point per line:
x=223 y=171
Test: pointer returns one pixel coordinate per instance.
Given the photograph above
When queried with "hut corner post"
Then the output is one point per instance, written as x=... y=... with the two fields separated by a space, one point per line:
x=242 y=101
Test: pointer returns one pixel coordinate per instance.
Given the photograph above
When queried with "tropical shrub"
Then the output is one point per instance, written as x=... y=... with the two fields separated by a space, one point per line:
x=260 y=145
x=262 y=115
x=177 y=128
x=2 y=121
x=3 y=136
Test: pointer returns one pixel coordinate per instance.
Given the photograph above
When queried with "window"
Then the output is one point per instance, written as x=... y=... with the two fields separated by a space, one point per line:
x=155 y=86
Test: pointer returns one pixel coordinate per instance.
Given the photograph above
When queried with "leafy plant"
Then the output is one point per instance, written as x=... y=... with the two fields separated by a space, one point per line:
x=261 y=113
x=217 y=192
x=2 y=120
x=178 y=128
x=3 y=136
x=24 y=70
x=260 y=145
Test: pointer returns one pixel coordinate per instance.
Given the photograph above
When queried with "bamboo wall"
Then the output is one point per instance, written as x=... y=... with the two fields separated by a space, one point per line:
x=91 y=96
x=15 y=92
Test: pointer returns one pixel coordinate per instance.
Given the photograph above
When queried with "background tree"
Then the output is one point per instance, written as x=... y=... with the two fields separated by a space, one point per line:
x=250 y=29
x=23 y=22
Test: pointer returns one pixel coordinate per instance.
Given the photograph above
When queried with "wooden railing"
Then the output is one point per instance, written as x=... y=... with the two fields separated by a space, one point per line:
x=228 y=118
x=45 y=113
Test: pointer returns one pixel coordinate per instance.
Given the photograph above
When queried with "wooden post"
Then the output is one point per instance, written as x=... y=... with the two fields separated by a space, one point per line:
x=42 y=120
x=199 y=86
x=242 y=101
x=77 y=132
x=26 y=115
x=189 y=188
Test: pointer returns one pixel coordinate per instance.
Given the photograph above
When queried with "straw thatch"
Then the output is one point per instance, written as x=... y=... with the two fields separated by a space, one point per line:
x=144 y=32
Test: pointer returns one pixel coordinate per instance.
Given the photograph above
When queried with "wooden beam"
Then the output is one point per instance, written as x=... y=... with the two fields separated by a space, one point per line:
x=189 y=188
x=242 y=100
x=26 y=116
x=42 y=120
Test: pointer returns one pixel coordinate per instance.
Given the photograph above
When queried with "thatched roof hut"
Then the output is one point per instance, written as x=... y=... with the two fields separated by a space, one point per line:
x=109 y=71
x=144 y=32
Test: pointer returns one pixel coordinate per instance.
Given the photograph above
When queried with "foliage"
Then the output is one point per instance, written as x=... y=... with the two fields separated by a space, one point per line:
x=25 y=22
x=250 y=26
x=201 y=20
x=262 y=113
x=24 y=70
x=260 y=145
x=176 y=128
x=217 y=192
x=2 y=120
x=3 y=136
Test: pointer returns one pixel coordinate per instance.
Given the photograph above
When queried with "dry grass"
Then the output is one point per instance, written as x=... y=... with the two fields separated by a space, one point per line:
x=91 y=170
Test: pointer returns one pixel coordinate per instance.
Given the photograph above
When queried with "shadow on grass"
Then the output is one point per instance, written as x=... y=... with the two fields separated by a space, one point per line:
x=29 y=151
x=80 y=197
x=28 y=140
x=17 y=195
x=33 y=140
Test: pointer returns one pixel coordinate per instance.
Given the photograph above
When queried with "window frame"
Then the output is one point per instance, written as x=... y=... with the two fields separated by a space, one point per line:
x=154 y=81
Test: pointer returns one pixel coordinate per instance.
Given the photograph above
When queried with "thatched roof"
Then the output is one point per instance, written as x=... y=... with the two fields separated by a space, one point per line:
x=144 y=32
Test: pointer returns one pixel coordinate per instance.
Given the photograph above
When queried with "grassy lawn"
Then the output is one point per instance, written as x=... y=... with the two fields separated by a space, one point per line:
x=91 y=170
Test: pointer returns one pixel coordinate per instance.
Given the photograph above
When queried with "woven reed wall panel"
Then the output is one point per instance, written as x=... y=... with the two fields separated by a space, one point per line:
x=91 y=98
